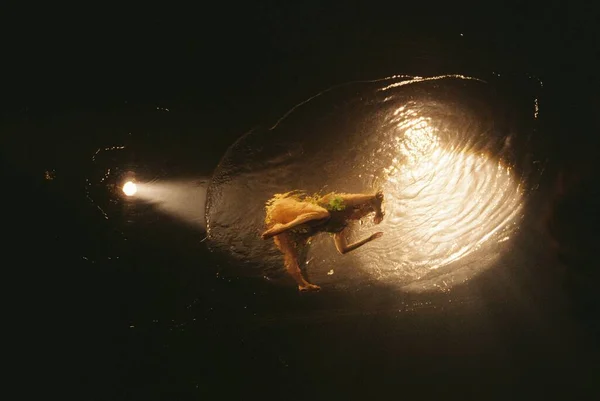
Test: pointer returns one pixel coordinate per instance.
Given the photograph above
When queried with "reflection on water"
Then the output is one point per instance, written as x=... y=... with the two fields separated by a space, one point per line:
x=443 y=201
x=433 y=145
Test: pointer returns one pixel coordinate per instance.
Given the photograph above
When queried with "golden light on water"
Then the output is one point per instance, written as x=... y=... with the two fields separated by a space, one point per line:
x=130 y=188
x=453 y=203
x=443 y=202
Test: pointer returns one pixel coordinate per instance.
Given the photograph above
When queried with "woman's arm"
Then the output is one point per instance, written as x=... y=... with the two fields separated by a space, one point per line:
x=318 y=214
x=342 y=244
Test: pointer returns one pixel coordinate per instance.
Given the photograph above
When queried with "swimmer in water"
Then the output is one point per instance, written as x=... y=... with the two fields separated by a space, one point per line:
x=294 y=217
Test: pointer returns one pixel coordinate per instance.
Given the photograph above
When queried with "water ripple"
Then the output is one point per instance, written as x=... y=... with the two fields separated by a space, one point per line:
x=436 y=147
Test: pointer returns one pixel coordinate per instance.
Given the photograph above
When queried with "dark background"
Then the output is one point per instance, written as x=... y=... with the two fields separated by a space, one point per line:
x=75 y=78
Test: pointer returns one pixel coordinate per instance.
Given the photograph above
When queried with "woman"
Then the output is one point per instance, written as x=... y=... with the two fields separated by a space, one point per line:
x=294 y=217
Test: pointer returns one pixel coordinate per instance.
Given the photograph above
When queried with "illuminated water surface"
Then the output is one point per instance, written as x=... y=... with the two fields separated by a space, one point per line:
x=432 y=144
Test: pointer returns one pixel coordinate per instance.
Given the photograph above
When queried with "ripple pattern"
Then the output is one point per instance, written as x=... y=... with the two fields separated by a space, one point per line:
x=443 y=200
x=446 y=162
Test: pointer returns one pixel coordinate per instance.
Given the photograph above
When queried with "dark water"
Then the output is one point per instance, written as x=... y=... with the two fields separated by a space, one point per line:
x=125 y=298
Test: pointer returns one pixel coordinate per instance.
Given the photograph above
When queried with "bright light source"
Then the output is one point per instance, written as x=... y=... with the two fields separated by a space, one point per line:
x=129 y=188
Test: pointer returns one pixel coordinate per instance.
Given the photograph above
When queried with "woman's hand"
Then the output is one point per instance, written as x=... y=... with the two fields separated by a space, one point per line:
x=378 y=210
x=273 y=231
x=376 y=235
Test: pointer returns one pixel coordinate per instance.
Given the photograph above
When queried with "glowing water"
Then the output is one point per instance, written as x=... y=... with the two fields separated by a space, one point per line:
x=434 y=145
x=443 y=200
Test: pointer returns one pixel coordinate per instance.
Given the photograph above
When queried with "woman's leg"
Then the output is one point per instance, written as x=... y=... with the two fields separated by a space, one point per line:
x=361 y=199
x=356 y=200
x=300 y=213
x=290 y=257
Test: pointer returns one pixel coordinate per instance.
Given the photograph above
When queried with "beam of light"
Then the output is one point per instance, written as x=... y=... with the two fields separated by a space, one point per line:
x=130 y=188
x=183 y=199
x=443 y=203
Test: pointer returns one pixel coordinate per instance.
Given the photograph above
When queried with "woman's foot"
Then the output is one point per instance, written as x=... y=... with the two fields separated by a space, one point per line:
x=376 y=235
x=308 y=287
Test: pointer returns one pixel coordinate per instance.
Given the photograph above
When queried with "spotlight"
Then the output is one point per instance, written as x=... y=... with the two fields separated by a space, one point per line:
x=129 y=188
